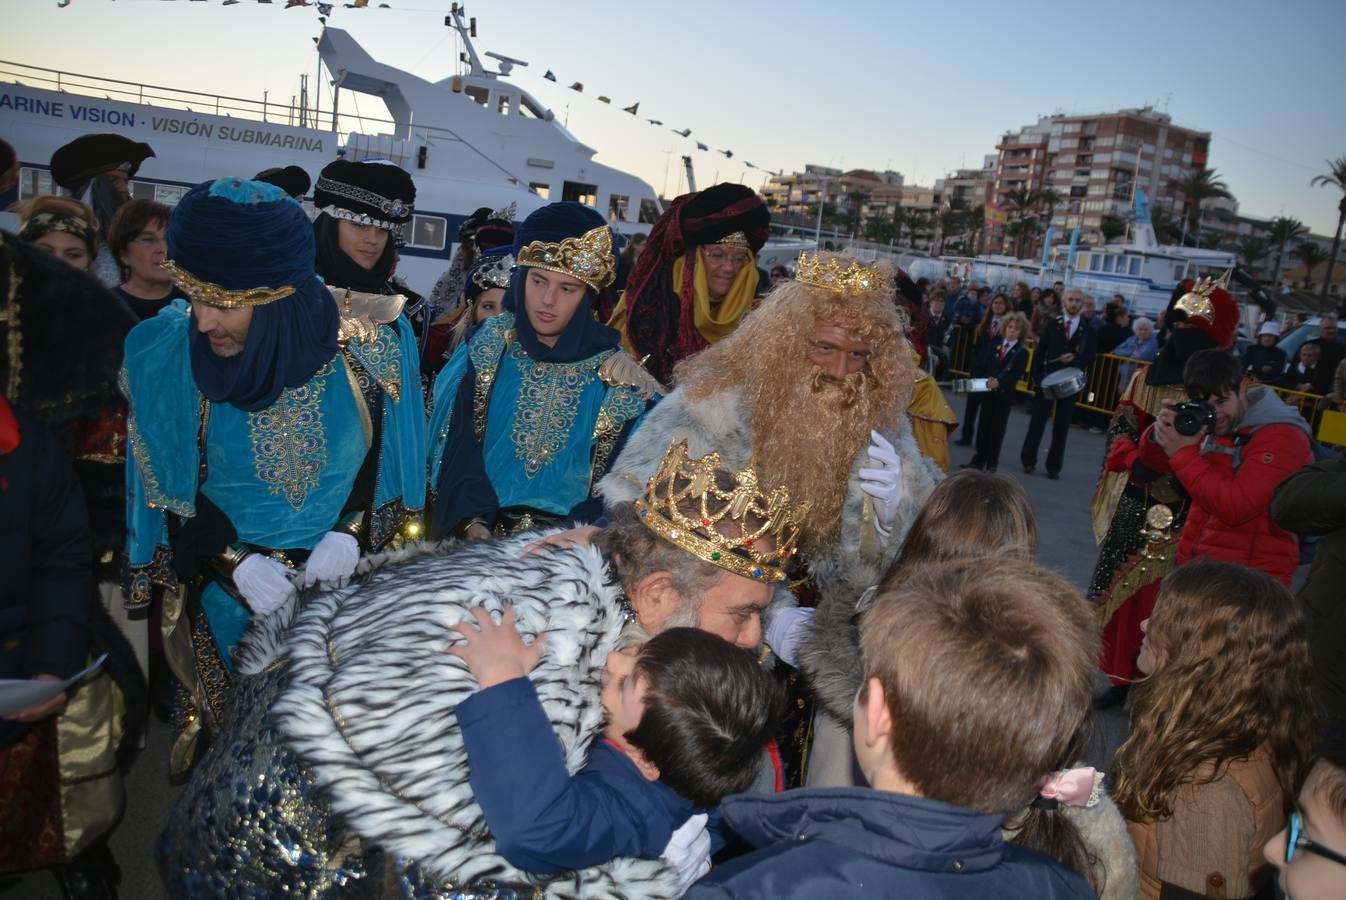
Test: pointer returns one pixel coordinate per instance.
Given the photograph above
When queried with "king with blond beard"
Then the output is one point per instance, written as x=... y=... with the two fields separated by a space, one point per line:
x=812 y=388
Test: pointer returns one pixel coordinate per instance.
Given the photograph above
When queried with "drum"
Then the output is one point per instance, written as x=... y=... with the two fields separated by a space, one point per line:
x=1063 y=383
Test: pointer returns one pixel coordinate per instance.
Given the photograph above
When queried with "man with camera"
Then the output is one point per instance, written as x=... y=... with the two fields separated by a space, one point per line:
x=1229 y=447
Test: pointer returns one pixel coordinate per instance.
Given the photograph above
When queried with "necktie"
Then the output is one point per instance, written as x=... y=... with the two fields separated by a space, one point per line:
x=1070 y=329
x=1004 y=348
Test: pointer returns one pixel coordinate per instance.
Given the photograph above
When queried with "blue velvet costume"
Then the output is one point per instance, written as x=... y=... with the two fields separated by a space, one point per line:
x=520 y=426
x=264 y=452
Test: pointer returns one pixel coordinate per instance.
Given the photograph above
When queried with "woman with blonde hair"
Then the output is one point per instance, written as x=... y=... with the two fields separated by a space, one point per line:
x=62 y=226
x=1221 y=731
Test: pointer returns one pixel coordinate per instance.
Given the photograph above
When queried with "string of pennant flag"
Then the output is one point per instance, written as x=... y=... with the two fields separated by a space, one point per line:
x=326 y=9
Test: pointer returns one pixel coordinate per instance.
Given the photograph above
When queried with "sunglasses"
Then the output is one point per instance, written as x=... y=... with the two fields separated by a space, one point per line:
x=1295 y=840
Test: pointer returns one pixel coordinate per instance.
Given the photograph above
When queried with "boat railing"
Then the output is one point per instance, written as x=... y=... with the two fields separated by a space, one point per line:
x=99 y=88
x=266 y=111
x=1107 y=377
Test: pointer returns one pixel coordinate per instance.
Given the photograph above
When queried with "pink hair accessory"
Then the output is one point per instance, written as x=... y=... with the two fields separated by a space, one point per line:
x=1073 y=787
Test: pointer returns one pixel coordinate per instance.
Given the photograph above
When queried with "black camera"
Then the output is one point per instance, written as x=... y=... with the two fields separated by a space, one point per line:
x=1193 y=415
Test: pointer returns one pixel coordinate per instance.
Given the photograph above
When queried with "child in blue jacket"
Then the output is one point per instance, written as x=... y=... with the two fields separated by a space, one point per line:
x=977 y=675
x=687 y=717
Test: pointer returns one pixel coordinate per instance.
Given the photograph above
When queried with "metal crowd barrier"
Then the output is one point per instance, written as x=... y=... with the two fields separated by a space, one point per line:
x=1105 y=378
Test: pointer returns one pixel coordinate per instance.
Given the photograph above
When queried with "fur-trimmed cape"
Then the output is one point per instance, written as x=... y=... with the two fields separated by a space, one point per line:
x=363 y=708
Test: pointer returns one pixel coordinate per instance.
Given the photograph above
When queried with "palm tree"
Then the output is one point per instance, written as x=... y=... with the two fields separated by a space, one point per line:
x=1195 y=188
x=1311 y=255
x=918 y=220
x=1251 y=251
x=1337 y=180
x=1022 y=202
x=1112 y=227
x=1050 y=198
x=1161 y=217
x=1283 y=230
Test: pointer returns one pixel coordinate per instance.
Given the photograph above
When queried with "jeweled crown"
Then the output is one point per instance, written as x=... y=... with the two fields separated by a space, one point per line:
x=587 y=257
x=831 y=275
x=763 y=529
x=1196 y=303
x=736 y=239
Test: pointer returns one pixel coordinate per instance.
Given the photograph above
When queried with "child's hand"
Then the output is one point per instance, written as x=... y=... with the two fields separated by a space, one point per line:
x=495 y=653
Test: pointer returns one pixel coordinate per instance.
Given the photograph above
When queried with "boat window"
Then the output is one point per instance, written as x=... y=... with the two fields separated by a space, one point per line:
x=1134 y=263
x=1109 y=262
x=502 y=104
x=649 y=212
x=543 y=190
x=33 y=182
x=425 y=231
x=528 y=108
x=1179 y=271
x=617 y=207
x=580 y=192
x=479 y=94
x=168 y=194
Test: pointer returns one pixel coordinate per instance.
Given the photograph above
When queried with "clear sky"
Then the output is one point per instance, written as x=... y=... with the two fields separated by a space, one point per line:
x=922 y=88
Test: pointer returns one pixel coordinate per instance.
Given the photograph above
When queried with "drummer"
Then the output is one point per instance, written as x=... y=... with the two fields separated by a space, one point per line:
x=1005 y=358
x=1067 y=342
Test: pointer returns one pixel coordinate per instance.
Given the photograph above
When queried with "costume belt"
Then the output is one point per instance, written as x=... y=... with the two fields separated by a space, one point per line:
x=518 y=519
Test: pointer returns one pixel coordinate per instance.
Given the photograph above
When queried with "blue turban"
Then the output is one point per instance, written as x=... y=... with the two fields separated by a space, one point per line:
x=242 y=234
x=584 y=335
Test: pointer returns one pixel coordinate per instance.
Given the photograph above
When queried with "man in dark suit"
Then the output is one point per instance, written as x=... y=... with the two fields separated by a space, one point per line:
x=1330 y=353
x=1067 y=342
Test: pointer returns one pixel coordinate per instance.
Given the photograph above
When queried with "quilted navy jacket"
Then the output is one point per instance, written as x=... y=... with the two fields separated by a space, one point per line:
x=857 y=842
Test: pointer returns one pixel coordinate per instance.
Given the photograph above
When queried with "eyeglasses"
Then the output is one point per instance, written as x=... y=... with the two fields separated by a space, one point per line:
x=725 y=258
x=1296 y=840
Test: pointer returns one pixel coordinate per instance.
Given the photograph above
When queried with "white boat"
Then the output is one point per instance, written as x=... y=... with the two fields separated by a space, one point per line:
x=1142 y=270
x=469 y=141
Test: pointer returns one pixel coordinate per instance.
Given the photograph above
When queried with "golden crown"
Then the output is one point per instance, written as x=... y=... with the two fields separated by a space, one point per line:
x=587 y=257
x=216 y=295
x=736 y=238
x=758 y=552
x=1196 y=303
x=831 y=275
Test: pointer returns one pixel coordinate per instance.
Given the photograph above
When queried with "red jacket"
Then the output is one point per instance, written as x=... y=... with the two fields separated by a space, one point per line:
x=1230 y=518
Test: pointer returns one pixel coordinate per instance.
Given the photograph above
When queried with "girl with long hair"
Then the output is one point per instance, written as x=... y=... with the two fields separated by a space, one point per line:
x=1220 y=730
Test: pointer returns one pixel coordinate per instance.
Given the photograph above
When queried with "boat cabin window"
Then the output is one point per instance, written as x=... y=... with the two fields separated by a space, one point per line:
x=1109 y=263
x=141 y=190
x=427 y=232
x=543 y=190
x=33 y=182
x=1179 y=271
x=1133 y=265
x=479 y=94
x=580 y=193
x=502 y=104
x=168 y=194
x=528 y=108
x=617 y=207
x=649 y=212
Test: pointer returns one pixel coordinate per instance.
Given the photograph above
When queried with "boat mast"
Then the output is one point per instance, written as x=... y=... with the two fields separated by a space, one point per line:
x=467 y=32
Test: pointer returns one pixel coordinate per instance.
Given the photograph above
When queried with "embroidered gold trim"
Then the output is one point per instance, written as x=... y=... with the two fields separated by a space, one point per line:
x=548 y=402
x=215 y=295
x=289 y=441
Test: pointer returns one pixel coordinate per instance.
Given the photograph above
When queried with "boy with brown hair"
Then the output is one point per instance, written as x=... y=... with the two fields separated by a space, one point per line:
x=975 y=683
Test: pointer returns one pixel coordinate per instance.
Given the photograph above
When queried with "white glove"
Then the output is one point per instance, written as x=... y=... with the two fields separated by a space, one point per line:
x=333 y=560
x=688 y=851
x=883 y=483
x=263 y=582
x=786 y=631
